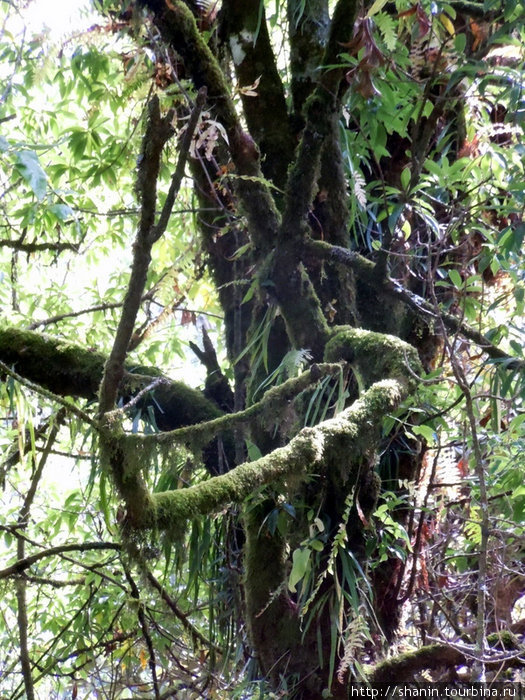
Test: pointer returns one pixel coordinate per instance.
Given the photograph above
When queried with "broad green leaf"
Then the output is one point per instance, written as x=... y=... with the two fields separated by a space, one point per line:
x=426 y=432
x=63 y=212
x=28 y=165
x=300 y=565
x=455 y=278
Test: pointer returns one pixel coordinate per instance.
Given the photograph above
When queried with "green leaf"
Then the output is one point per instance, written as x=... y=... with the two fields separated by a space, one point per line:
x=430 y=221
x=28 y=165
x=62 y=211
x=455 y=278
x=460 y=42
x=300 y=565
x=240 y=251
x=426 y=432
x=254 y=453
x=405 y=178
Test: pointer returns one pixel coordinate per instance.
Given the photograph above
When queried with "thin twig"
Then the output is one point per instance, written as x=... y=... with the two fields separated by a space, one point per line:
x=181 y=616
x=135 y=594
x=21 y=583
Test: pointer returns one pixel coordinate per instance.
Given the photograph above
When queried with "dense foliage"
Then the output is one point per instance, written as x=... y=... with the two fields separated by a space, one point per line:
x=261 y=282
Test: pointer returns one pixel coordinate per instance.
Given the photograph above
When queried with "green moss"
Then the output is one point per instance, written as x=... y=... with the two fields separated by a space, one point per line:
x=374 y=356
x=343 y=440
x=124 y=463
x=379 y=310
x=63 y=368
x=504 y=640
x=266 y=114
x=300 y=307
x=406 y=666
x=273 y=622
x=176 y=507
x=179 y=28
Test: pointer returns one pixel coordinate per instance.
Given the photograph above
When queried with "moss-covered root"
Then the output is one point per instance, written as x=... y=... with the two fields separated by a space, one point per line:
x=375 y=356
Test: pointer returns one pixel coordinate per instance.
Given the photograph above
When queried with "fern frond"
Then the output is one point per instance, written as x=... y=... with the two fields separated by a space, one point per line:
x=357 y=633
x=387 y=27
x=359 y=188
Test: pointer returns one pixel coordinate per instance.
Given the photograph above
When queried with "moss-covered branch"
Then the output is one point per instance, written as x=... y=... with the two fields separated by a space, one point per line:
x=366 y=271
x=319 y=110
x=374 y=356
x=348 y=443
x=63 y=368
x=454 y=324
x=298 y=300
x=405 y=667
x=67 y=369
x=270 y=406
x=308 y=25
x=352 y=432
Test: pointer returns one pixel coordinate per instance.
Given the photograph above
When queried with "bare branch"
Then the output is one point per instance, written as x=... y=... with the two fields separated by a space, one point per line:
x=25 y=563
x=37 y=247
x=180 y=615
x=158 y=131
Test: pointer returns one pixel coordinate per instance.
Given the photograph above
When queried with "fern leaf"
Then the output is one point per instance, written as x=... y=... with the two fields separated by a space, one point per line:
x=359 y=188
x=387 y=27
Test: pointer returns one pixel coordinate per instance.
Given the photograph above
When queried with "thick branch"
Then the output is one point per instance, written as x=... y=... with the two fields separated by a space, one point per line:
x=266 y=113
x=178 y=174
x=158 y=131
x=453 y=324
x=69 y=406
x=405 y=667
x=353 y=431
x=300 y=305
x=386 y=367
x=272 y=404
x=37 y=247
x=308 y=29
x=367 y=272
x=178 y=28
x=217 y=387
x=319 y=110
x=71 y=370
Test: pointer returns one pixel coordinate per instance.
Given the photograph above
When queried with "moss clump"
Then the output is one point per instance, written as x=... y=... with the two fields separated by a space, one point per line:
x=374 y=356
